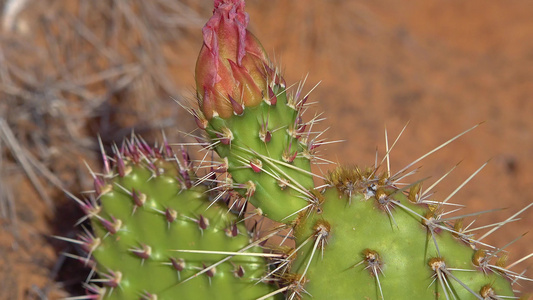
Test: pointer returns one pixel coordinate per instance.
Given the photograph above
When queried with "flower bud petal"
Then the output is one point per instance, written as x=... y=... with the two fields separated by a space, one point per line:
x=231 y=62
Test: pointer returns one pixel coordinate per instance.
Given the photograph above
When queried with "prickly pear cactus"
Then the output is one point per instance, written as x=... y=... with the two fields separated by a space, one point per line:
x=360 y=235
x=369 y=238
x=160 y=233
x=157 y=234
x=250 y=118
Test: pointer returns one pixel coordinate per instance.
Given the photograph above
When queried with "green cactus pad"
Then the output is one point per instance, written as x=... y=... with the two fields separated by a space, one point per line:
x=267 y=153
x=146 y=214
x=375 y=245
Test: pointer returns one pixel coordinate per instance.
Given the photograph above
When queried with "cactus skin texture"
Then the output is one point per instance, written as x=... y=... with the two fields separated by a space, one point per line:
x=149 y=207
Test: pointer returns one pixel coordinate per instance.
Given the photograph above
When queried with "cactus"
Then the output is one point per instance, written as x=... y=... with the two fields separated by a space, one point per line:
x=248 y=115
x=151 y=219
x=387 y=245
x=361 y=234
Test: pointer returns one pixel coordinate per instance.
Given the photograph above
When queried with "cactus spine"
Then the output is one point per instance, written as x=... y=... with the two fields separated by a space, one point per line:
x=362 y=234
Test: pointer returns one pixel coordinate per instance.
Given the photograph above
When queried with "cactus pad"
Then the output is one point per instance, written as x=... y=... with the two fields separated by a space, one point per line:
x=265 y=155
x=370 y=240
x=158 y=235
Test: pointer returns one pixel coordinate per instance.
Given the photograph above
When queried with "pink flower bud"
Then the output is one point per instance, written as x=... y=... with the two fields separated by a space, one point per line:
x=232 y=64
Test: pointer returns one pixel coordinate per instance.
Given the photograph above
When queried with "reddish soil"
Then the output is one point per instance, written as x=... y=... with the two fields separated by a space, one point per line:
x=441 y=66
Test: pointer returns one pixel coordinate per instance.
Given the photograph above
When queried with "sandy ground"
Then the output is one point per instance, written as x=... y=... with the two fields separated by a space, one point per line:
x=67 y=75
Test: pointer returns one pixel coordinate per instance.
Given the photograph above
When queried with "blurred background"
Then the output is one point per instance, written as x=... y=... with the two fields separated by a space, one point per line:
x=71 y=70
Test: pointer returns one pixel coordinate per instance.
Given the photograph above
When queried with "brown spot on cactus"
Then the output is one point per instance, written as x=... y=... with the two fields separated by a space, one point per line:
x=437 y=264
x=414 y=192
x=350 y=180
x=488 y=293
x=479 y=259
